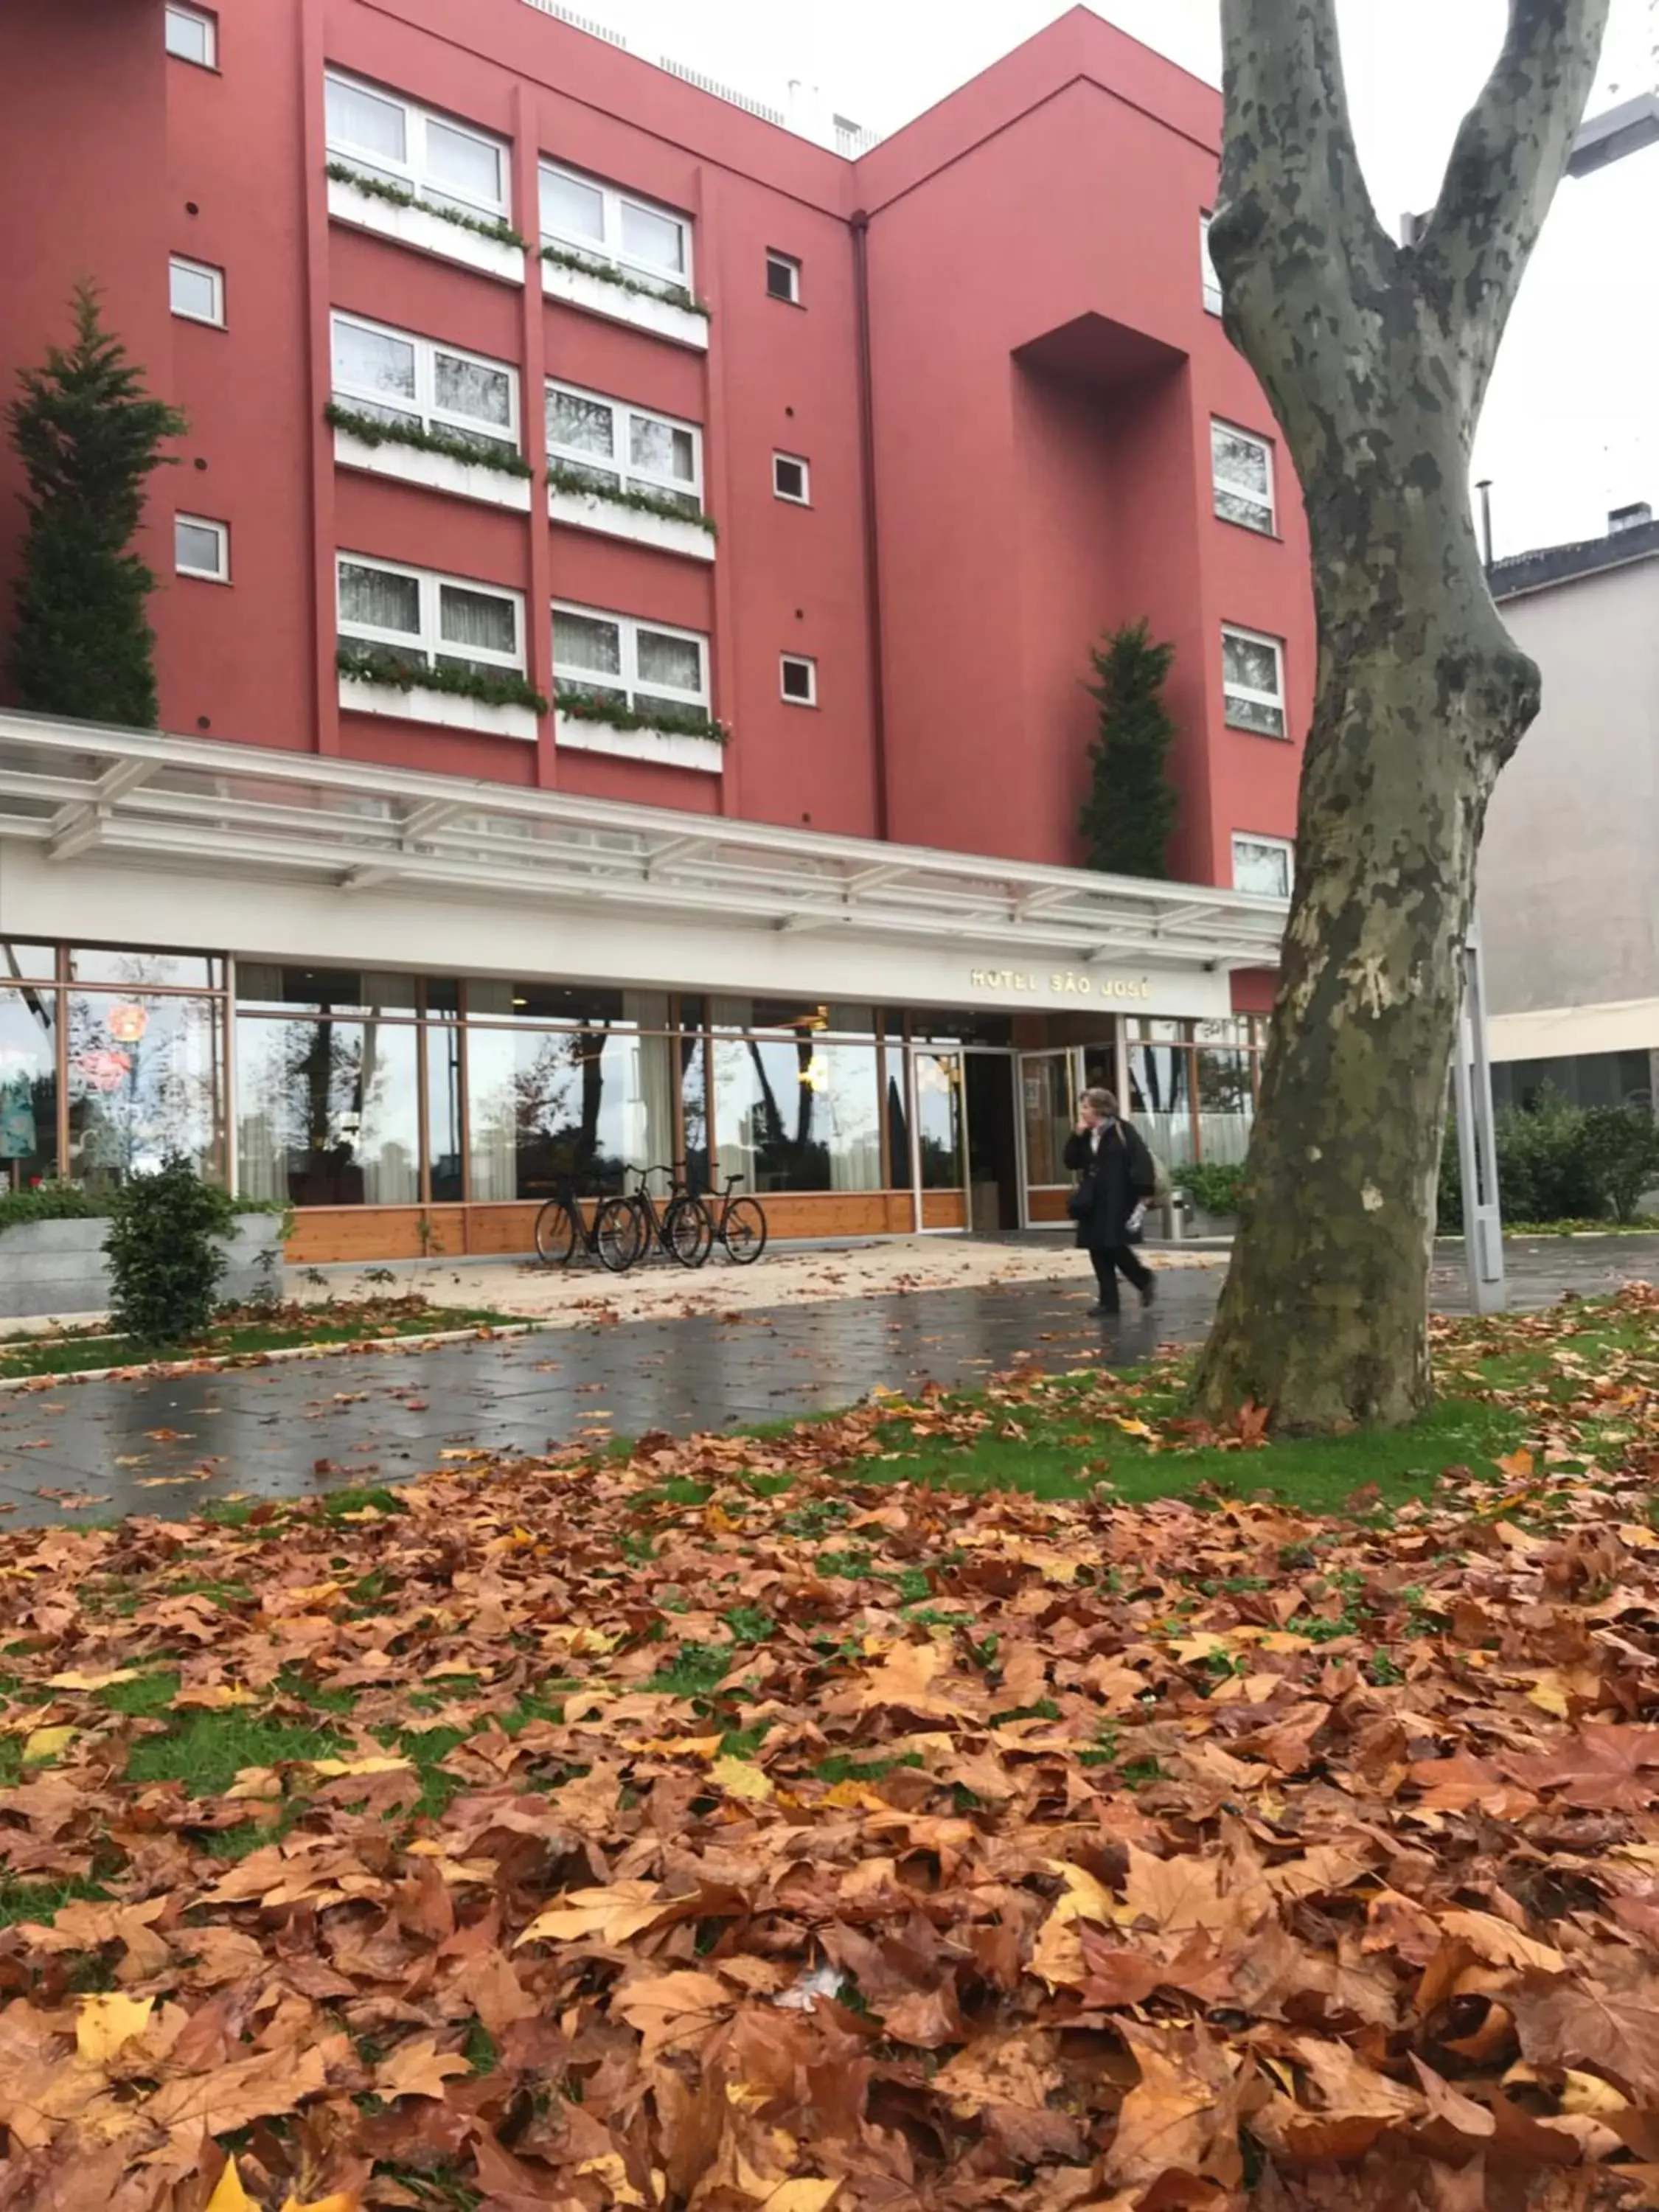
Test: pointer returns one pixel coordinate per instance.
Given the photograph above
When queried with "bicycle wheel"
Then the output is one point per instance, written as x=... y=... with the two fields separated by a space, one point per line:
x=618 y=1234
x=688 y=1232
x=555 y=1234
x=743 y=1230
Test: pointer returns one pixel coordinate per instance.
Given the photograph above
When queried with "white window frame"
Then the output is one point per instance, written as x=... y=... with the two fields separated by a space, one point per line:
x=206 y=23
x=215 y=276
x=1230 y=691
x=430 y=641
x=1218 y=484
x=788 y=660
x=776 y=258
x=1281 y=845
x=804 y=497
x=220 y=530
x=1209 y=275
x=424 y=406
x=627 y=679
x=614 y=200
x=413 y=171
x=630 y=478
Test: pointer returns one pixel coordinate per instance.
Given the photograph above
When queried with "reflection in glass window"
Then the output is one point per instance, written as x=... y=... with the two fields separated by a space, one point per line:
x=151 y=971
x=694 y=1107
x=938 y=1119
x=546 y=1105
x=328 y=1112
x=443 y=1112
x=145 y=1080
x=1160 y=1099
x=1226 y=1105
x=28 y=1088
x=801 y=1115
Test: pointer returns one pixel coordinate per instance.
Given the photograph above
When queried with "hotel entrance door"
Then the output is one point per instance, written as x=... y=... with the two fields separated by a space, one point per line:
x=993 y=1144
x=1048 y=1086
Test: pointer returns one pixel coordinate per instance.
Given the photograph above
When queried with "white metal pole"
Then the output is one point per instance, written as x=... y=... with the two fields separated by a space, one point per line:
x=1477 y=1141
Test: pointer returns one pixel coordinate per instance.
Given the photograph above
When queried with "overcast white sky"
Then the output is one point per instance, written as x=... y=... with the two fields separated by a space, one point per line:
x=1568 y=430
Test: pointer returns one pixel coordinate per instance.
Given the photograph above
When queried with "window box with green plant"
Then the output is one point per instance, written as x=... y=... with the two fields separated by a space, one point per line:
x=410 y=219
x=443 y=460
x=374 y=680
x=577 y=498
x=601 y=288
x=673 y=736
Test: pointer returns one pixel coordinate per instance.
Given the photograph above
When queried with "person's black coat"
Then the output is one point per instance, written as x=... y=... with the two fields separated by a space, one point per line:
x=1120 y=1174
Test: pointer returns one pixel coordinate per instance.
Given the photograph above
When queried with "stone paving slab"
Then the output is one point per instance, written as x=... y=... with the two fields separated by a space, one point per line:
x=171 y=1445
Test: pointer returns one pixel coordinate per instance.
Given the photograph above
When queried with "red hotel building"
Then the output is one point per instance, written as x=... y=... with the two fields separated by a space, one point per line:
x=762 y=503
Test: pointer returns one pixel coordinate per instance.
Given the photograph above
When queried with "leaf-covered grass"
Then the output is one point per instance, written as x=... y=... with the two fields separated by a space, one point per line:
x=1017 y=1796
x=236 y=1338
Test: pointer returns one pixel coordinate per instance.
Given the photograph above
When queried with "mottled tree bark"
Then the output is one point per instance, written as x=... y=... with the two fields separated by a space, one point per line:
x=1375 y=358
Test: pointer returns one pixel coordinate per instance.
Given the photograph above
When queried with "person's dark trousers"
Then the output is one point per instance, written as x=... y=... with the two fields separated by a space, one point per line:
x=1108 y=1259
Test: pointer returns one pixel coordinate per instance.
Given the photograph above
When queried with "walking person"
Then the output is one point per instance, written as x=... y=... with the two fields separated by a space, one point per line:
x=1117 y=1181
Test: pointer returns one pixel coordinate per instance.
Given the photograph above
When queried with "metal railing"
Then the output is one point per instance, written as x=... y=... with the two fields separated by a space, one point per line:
x=581 y=22
x=724 y=92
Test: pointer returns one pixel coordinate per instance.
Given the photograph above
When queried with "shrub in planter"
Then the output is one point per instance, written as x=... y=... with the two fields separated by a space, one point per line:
x=164 y=1262
x=1622 y=1143
x=1213 y=1185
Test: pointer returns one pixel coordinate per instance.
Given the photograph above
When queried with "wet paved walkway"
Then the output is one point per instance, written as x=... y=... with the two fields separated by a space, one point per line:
x=176 y=1443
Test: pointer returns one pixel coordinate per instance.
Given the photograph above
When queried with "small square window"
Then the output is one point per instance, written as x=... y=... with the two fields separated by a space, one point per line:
x=1207 y=271
x=1253 y=681
x=193 y=36
x=799 y=678
x=196 y=291
x=791 y=479
x=201 y=548
x=783 y=277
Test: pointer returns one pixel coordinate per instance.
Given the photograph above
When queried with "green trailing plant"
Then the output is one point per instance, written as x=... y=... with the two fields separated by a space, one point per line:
x=165 y=1260
x=88 y=435
x=374 y=432
x=368 y=664
x=1130 y=809
x=646 y=502
x=377 y=188
x=608 y=273
x=668 y=721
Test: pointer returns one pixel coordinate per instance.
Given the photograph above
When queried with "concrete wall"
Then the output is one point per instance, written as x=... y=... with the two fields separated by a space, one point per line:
x=1570 y=869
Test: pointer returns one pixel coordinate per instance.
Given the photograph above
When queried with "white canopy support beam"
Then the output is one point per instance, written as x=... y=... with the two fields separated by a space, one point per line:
x=79 y=823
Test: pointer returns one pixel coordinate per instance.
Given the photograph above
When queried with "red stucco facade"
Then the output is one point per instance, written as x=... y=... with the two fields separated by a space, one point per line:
x=1009 y=441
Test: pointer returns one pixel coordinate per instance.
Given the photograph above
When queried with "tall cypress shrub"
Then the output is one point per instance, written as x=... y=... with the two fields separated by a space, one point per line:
x=1130 y=811
x=89 y=435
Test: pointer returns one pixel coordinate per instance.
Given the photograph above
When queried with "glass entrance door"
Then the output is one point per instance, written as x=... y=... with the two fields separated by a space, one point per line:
x=1048 y=1086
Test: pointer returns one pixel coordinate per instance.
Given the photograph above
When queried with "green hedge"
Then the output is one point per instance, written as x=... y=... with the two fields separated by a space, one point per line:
x=1213 y=1185
x=68 y=1201
x=1562 y=1162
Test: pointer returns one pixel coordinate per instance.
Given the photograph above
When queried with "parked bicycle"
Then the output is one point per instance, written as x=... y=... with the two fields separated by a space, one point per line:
x=682 y=1226
x=609 y=1230
x=739 y=1223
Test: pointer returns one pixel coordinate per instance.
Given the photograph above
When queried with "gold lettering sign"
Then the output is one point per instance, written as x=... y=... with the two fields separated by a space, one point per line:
x=1059 y=983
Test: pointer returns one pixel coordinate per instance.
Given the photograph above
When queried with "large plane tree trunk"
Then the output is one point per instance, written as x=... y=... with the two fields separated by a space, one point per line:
x=1375 y=358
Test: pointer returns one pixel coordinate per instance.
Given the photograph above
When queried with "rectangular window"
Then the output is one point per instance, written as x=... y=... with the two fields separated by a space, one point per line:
x=586 y=217
x=29 y=1080
x=382 y=135
x=145 y=1078
x=1263 y=866
x=1242 y=471
x=616 y=447
x=196 y=290
x=783 y=277
x=1253 y=678
x=201 y=547
x=401 y=378
x=193 y=36
x=799 y=678
x=797 y=1115
x=431 y=621
x=636 y=665
x=792 y=479
x=1208 y=273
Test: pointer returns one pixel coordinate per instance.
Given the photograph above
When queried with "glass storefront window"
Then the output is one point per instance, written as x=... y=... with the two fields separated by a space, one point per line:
x=1160 y=1097
x=936 y=1025
x=694 y=1108
x=323 y=990
x=443 y=1113
x=1047 y=1101
x=145 y=1080
x=154 y=971
x=938 y=1119
x=28 y=1088
x=796 y=1115
x=584 y=1102
x=490 y=999
x=328 y=1112
x=1226 y=1105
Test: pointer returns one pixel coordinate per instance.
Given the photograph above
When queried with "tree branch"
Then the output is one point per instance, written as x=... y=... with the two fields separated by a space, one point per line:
x=1510 y=154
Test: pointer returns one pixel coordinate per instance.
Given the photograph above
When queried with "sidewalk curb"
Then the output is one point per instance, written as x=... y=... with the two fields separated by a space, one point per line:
x=162 y=1370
